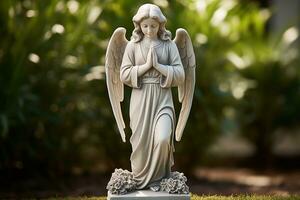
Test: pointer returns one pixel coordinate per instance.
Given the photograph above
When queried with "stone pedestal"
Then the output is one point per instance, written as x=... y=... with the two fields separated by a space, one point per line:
x=148 y=195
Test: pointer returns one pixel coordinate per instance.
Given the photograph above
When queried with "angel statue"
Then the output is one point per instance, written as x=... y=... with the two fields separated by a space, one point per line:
x=151 y=63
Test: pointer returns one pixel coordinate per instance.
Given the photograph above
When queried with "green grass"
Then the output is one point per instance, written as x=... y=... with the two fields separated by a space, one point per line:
x=197 y=197
x=243 y=197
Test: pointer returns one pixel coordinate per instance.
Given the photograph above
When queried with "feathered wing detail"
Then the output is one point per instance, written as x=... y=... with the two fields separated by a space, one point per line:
x=113 y=61
x=185 y=90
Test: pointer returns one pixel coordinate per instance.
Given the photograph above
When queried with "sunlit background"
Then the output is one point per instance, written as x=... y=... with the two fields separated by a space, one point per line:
x=56 y=120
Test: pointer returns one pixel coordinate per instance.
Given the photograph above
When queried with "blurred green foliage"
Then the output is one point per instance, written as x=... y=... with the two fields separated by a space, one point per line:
x=55 y=114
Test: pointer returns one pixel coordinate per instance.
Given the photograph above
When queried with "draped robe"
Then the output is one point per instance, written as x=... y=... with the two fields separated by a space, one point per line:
x=151 y=98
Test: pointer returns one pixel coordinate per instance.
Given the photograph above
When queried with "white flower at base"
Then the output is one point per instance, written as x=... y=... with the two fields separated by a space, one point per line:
x=121 y=182
x=176 y=184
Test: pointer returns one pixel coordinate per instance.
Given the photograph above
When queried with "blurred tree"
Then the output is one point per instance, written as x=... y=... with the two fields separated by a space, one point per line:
x=54 y=105
x=269 y=91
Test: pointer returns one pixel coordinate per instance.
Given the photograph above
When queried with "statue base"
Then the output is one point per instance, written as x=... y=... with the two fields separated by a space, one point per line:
x=148 y=195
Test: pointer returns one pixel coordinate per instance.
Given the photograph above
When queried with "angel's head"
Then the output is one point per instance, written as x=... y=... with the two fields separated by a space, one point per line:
x=149 y=21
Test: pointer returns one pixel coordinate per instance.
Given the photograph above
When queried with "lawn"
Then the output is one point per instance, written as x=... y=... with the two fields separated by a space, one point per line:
x=206 y=197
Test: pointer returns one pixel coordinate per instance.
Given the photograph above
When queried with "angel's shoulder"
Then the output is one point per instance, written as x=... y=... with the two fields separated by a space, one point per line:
x=170 y=44
x=166 y=43
x=131 y=46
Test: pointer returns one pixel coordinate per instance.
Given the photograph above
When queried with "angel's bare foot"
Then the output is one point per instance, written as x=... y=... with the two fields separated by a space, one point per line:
x=155 y=188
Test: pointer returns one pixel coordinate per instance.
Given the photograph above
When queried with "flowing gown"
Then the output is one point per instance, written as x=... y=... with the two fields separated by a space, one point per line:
x=151 y=98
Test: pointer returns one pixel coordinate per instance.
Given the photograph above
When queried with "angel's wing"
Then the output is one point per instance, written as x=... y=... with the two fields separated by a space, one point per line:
x=113 y=60
x=185 y=90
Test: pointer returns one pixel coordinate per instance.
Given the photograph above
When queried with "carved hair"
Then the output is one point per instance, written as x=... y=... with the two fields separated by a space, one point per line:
x=149 y=11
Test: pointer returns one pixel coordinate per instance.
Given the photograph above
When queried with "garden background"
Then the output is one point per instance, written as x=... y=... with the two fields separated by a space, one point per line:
x=58 y=135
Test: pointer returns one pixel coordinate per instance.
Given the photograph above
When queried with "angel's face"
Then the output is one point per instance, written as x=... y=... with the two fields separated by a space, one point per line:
x=150 y=28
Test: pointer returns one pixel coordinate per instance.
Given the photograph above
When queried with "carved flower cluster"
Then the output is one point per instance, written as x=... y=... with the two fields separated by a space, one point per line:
x=176 y=184
x=121 y=182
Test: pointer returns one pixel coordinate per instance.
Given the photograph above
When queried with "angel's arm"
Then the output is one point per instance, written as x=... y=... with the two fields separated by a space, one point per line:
x=131 y=72
x=128 y=71
x=173 y=74
x=142 y=69
x=163 y=69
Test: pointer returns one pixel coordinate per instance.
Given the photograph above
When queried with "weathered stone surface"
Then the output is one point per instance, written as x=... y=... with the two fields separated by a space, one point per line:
x=123 y=182
x=148 y=195
x=151 y=63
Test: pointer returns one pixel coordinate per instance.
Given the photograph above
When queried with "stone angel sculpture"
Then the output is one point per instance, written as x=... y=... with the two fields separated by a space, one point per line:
x=151 y=63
